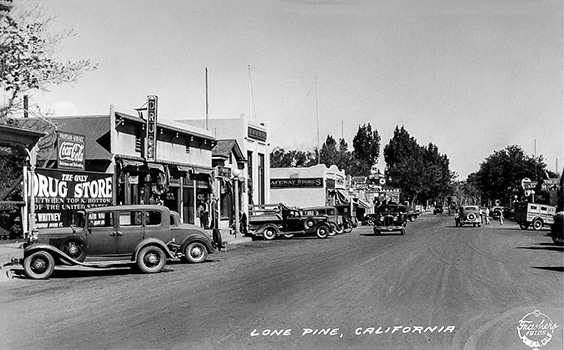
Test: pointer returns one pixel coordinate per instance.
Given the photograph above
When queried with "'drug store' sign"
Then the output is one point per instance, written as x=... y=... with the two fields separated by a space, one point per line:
x=60 y=194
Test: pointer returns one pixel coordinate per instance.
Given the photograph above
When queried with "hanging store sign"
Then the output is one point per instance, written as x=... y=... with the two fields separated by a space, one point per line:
x=70 y=151
x=151 y=138
x=60 y=194
x=294 y=183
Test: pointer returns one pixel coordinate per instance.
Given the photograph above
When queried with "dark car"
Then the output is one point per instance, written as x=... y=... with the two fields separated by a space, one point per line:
x=334 y=220
x=271 y=221
x=496 y=212
x=390 y=217
x=438 y=209
x=140 y=236
x=468 y=215
x=557 y=228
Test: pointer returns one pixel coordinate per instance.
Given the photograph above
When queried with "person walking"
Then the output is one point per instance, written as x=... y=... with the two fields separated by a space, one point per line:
x=487 y=216
x=501 y=216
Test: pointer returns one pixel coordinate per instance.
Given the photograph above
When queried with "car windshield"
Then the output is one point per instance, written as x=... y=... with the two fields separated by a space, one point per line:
x=387 y=209
x=471 y=208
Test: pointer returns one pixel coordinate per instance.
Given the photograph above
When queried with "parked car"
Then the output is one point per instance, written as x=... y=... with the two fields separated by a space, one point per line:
x=468 y=214
x=413 y=212
x=557 y=228
x=369 y=219
x=534 y=214
x=438 y=209
x=334 y=220
x=390 y=217
x=271 y=221
x=139 y=236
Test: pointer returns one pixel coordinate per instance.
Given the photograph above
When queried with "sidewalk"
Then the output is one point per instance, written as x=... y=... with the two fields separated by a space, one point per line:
x=9 y=250
x=12 y=249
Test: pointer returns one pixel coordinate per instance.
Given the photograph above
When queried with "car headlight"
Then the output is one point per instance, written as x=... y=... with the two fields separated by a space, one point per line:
x=33 y=237
x=395 y=217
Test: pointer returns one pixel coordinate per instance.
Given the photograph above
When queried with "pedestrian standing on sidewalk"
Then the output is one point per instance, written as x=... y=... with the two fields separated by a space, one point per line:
x=501 y=216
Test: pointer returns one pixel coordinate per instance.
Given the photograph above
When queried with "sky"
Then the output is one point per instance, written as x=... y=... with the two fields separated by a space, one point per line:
x=470 y=76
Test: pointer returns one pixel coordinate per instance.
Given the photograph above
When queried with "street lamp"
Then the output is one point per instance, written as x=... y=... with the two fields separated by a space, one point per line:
x=236 y=173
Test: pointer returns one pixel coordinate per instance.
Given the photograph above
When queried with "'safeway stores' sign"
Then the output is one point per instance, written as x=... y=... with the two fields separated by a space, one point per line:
x=293 y=183
x=60 y=194
x=70 y=151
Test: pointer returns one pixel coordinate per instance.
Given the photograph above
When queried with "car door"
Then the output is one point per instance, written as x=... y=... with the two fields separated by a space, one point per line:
x=130 y=231
x=101 y=239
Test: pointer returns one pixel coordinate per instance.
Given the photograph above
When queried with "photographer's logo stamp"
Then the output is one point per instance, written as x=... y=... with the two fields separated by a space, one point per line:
x=536 y=329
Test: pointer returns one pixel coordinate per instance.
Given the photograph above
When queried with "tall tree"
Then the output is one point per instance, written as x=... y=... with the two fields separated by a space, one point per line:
x=366 y=150
x=27 y=58
x=422 y=173
x=329 y=154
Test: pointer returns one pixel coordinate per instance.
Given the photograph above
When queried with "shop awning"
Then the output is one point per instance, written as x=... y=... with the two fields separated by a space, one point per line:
x=363 y=204
x=131 y=163
x=342 y=196
x=156 y=166
x=186 y=169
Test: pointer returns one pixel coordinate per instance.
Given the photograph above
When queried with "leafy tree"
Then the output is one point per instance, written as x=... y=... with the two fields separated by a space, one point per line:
x=500 y=172
x=366 y=150
x=329 y=154
x=422 y=173
x=27 y=60
x=280 y=158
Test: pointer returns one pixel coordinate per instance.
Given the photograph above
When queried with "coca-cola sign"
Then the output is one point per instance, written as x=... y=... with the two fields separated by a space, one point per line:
x=70 y=151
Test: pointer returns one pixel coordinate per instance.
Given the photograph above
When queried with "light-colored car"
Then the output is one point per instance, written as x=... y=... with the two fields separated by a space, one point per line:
x=468 y=215
x=140 y=236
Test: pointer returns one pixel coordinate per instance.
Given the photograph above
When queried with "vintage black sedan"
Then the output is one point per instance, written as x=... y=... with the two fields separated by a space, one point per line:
x=389 y=218
x=142 y=237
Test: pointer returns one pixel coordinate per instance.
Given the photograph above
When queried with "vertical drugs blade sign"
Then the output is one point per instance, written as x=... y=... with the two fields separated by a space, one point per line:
x=151 y=155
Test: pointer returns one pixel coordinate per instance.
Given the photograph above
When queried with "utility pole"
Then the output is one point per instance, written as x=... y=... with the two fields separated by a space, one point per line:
x=317 y=116
x=207 y=104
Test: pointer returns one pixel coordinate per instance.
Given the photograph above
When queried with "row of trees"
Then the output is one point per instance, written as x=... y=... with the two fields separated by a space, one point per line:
x=421 y=172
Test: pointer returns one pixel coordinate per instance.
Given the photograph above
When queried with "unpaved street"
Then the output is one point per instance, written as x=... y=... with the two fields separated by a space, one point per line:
x=437 y=287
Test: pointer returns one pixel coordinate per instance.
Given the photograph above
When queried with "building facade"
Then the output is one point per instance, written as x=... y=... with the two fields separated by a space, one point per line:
x=151 y=161
x=252 y=137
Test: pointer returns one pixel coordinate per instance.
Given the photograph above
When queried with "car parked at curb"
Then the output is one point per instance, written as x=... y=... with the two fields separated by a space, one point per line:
x=389 y=218
x=333 y=218
x=272 y=221
x=468 y=215
x=142 y=237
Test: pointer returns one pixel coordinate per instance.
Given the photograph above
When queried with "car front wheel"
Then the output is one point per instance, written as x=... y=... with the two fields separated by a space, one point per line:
x=151 y=259
x=39 y=265
x=195 y=252
x=523 y=225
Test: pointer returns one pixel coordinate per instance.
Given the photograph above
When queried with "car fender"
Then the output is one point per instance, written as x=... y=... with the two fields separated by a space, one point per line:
x=56 y=252
x=313 y=229
x=261 y=229
x=197 y=238
x=151 y=241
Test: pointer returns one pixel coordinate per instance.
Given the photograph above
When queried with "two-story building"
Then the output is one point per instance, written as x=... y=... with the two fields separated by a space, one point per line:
x=252 y=138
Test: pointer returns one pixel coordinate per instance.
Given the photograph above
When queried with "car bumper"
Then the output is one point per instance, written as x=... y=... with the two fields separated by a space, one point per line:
x=389 y=228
